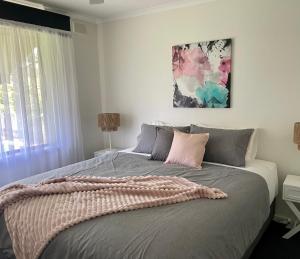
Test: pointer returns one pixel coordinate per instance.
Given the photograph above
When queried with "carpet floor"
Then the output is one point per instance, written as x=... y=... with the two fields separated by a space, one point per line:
x=273 y=246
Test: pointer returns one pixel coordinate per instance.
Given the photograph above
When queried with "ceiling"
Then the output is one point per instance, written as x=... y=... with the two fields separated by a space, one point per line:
x=113 y=9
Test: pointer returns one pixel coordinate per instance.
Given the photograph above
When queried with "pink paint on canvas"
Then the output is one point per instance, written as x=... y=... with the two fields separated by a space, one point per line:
x=202 y=73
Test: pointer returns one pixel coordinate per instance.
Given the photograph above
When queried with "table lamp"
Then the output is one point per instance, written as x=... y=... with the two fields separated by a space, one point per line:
x=297 y=134
x=109 y=122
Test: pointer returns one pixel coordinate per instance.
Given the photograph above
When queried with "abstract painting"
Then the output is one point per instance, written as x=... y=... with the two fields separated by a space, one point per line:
x=202 y=73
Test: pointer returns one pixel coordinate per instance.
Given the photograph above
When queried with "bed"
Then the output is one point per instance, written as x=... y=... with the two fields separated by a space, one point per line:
x=202 y=228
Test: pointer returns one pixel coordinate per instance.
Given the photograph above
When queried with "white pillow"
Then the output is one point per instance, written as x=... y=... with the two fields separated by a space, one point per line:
x=253 y=142
x=252 y=146
x=160 y=123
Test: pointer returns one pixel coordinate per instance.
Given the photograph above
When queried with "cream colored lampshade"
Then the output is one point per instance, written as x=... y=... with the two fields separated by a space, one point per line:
x=109 y=121
x=297 y=134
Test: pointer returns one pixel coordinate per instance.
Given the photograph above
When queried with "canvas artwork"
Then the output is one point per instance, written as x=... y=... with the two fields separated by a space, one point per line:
x=202 y=73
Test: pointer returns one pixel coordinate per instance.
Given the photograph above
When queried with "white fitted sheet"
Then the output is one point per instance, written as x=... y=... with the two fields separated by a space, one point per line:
x=266 y=169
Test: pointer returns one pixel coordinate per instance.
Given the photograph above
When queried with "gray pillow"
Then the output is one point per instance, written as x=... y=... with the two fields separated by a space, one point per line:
x=225 y=146
x=184 y=129
x=162 y=144
x=146 y=139
x=148 y=135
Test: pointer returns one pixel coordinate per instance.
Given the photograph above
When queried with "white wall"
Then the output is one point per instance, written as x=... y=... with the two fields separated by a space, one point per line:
x=87 y=65
x=265 y=76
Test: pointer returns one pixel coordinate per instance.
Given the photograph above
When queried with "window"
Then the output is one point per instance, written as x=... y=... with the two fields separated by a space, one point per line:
x=13 y=108
x=39 y=116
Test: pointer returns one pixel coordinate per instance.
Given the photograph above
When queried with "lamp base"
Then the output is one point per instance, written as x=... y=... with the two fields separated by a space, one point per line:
x=109 y=137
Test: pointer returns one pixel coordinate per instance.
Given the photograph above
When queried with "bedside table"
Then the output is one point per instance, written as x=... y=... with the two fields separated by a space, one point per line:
x=291 y=195
x=106 y=150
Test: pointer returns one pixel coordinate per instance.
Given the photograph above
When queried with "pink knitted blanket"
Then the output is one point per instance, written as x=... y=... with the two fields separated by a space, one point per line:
x=35 y=214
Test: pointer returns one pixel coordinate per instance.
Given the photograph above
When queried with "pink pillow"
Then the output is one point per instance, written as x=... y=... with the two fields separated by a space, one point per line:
x=187 y=149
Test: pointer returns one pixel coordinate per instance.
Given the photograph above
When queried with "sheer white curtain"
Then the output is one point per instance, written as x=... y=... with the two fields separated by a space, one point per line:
x=39 y=115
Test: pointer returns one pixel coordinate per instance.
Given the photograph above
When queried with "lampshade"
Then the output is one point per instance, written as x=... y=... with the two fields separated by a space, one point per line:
x=109 y=121
x=297 y=134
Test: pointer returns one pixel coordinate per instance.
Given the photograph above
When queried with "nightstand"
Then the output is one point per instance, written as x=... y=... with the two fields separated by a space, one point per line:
x=291 y=195
x=105 y=151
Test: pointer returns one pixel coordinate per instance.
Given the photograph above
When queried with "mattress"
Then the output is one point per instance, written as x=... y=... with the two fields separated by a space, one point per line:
x=266 y=169
x=200 y=228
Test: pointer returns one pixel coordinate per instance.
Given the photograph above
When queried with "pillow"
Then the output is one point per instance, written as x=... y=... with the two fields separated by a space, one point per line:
x=187 y=149
x=146 y=139
x=162 y=144
x=252 y=146
x=225 y=146
x=253 y=142
x=184 y=129
x=148 y=136
x=165 y=125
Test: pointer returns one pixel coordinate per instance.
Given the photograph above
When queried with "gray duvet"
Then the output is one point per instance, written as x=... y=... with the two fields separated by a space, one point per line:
x=206 y=229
